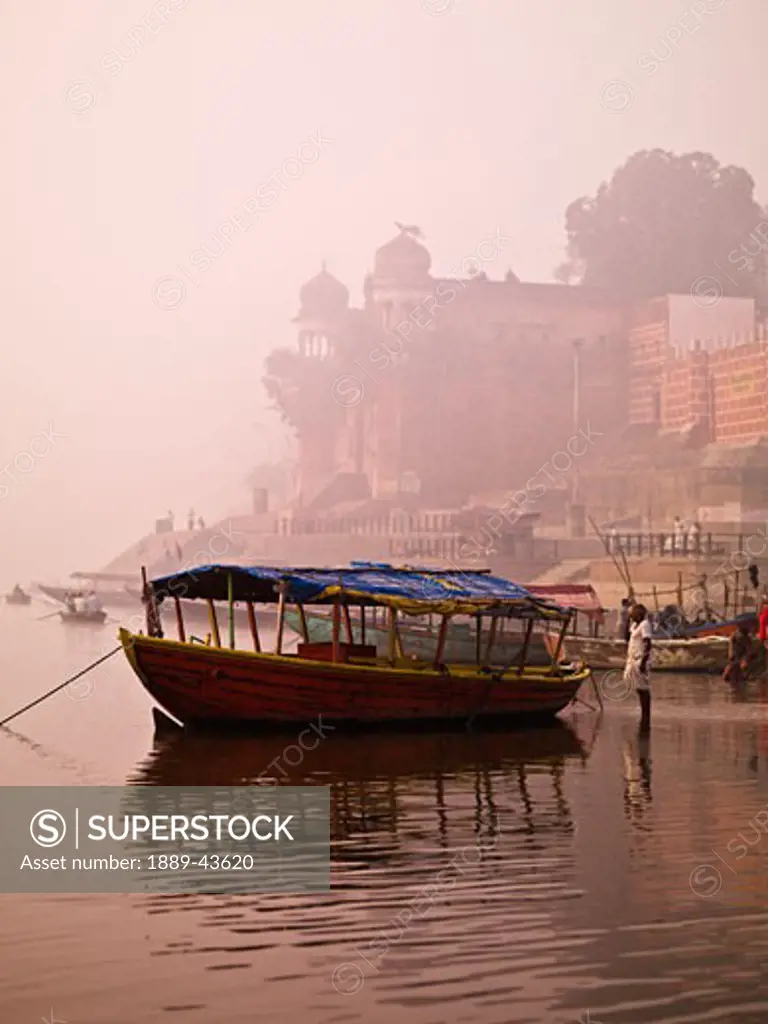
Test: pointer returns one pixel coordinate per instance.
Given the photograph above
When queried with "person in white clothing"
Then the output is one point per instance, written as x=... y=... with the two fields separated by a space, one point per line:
x=680 y=535
x=637 y=670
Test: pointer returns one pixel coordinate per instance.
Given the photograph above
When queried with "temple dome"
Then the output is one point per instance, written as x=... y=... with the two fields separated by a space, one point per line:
x=403 y=258
x=323 y=293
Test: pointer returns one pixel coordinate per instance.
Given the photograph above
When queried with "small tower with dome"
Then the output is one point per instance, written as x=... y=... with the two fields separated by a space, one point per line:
x=400 y=278
x=323 y=306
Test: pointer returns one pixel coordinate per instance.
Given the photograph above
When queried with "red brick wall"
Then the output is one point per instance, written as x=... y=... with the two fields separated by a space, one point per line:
x=685 y=392
x=727 y=389
x=739 y=382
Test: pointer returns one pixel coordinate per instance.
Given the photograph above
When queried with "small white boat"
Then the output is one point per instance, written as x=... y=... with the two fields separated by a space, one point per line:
x=93 y=617
x=695 y=654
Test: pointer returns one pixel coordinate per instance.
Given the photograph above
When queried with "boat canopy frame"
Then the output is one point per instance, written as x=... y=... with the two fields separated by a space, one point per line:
x=405 y=589
x=414 y=591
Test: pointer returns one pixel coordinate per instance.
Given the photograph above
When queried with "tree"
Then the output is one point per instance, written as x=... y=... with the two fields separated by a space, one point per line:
x=665 y=222
x=302 y=389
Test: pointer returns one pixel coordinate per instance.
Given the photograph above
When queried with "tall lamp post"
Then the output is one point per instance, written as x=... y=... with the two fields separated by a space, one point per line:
x=577 y=346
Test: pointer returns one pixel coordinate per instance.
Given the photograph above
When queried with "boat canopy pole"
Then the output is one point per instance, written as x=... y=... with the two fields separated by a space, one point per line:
x=253 y=627
x=214 y=622
x=526 y=645
x=362 y=623
x=441 y=637
x=392 y=635
x=336 y=631
x=148 y=596
x=303 y=621
x=231 y=609
x=563 y=631
x=348 y=624
x=491 y=639
x=479 y=639
x=179 y=618
x=280 y=619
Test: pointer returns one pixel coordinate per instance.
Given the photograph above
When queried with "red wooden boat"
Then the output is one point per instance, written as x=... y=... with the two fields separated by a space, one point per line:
x=344 y=682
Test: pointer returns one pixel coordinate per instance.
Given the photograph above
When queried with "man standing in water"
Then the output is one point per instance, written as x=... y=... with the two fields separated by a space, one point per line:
x=637 y=670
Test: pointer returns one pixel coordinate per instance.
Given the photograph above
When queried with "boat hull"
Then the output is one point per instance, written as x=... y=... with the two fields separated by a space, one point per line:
x=726 y=628
x=18 y=599
x=201 y=685
x=83 y=618
x=698 y=654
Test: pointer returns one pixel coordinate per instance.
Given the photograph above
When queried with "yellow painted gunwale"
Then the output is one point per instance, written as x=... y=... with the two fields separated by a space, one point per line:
x=403 y=667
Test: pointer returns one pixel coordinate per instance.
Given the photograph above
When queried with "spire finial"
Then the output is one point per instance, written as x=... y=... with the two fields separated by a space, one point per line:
x=409 y=229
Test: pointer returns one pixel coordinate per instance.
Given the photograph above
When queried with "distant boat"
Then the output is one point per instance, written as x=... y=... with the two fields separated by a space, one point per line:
x=723 y=627
x=112 y=588
x=461 y=644
x=18 y=596
x=684 y=654
x=94 y=617
x=420 y=639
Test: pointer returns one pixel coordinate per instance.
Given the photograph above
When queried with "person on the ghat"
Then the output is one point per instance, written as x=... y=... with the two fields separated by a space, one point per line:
x=763 y=627
x=637 y=670
x=739 y=655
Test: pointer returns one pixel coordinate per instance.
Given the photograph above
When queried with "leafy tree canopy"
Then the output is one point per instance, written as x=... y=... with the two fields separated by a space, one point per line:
x=663 y=222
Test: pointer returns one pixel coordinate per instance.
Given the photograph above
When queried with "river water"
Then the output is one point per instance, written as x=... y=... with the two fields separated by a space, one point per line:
x=578 y=873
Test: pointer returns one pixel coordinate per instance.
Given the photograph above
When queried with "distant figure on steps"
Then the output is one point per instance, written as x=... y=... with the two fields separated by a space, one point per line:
x=200 y=523
x=679 y=534
x=191 y=520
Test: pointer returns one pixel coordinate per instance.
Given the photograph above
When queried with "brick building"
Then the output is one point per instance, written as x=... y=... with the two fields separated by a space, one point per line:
x=444 y=388
x=697 y=413
x=440 y=390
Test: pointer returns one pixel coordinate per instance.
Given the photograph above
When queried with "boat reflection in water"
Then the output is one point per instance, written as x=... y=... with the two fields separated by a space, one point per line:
x=374 y=777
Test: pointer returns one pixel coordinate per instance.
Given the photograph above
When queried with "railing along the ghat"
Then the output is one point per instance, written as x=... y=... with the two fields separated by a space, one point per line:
x=671 y=545
x=401 y=524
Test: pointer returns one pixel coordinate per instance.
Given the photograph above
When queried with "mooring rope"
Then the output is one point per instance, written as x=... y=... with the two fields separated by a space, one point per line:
x=61 y=686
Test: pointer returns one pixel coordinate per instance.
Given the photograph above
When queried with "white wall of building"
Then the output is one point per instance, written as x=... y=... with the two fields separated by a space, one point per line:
x=713 y=320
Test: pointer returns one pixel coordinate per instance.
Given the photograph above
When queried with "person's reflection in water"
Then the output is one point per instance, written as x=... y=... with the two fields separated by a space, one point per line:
x=637 y=774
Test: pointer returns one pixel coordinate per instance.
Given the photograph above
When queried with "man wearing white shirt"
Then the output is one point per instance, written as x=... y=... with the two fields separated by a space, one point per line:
x=637 y=670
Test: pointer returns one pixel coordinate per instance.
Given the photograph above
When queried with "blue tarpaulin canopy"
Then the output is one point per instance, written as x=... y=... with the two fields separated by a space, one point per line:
x=412 y=590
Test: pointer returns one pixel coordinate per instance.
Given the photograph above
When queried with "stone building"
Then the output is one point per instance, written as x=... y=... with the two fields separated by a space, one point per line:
x=697 y=417
x=440 y=389
x=443 y=392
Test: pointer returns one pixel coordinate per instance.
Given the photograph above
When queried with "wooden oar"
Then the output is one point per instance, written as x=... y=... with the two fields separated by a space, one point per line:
x=50 y=615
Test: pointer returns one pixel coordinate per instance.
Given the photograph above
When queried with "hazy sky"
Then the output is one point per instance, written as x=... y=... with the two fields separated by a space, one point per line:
x=137 y=133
